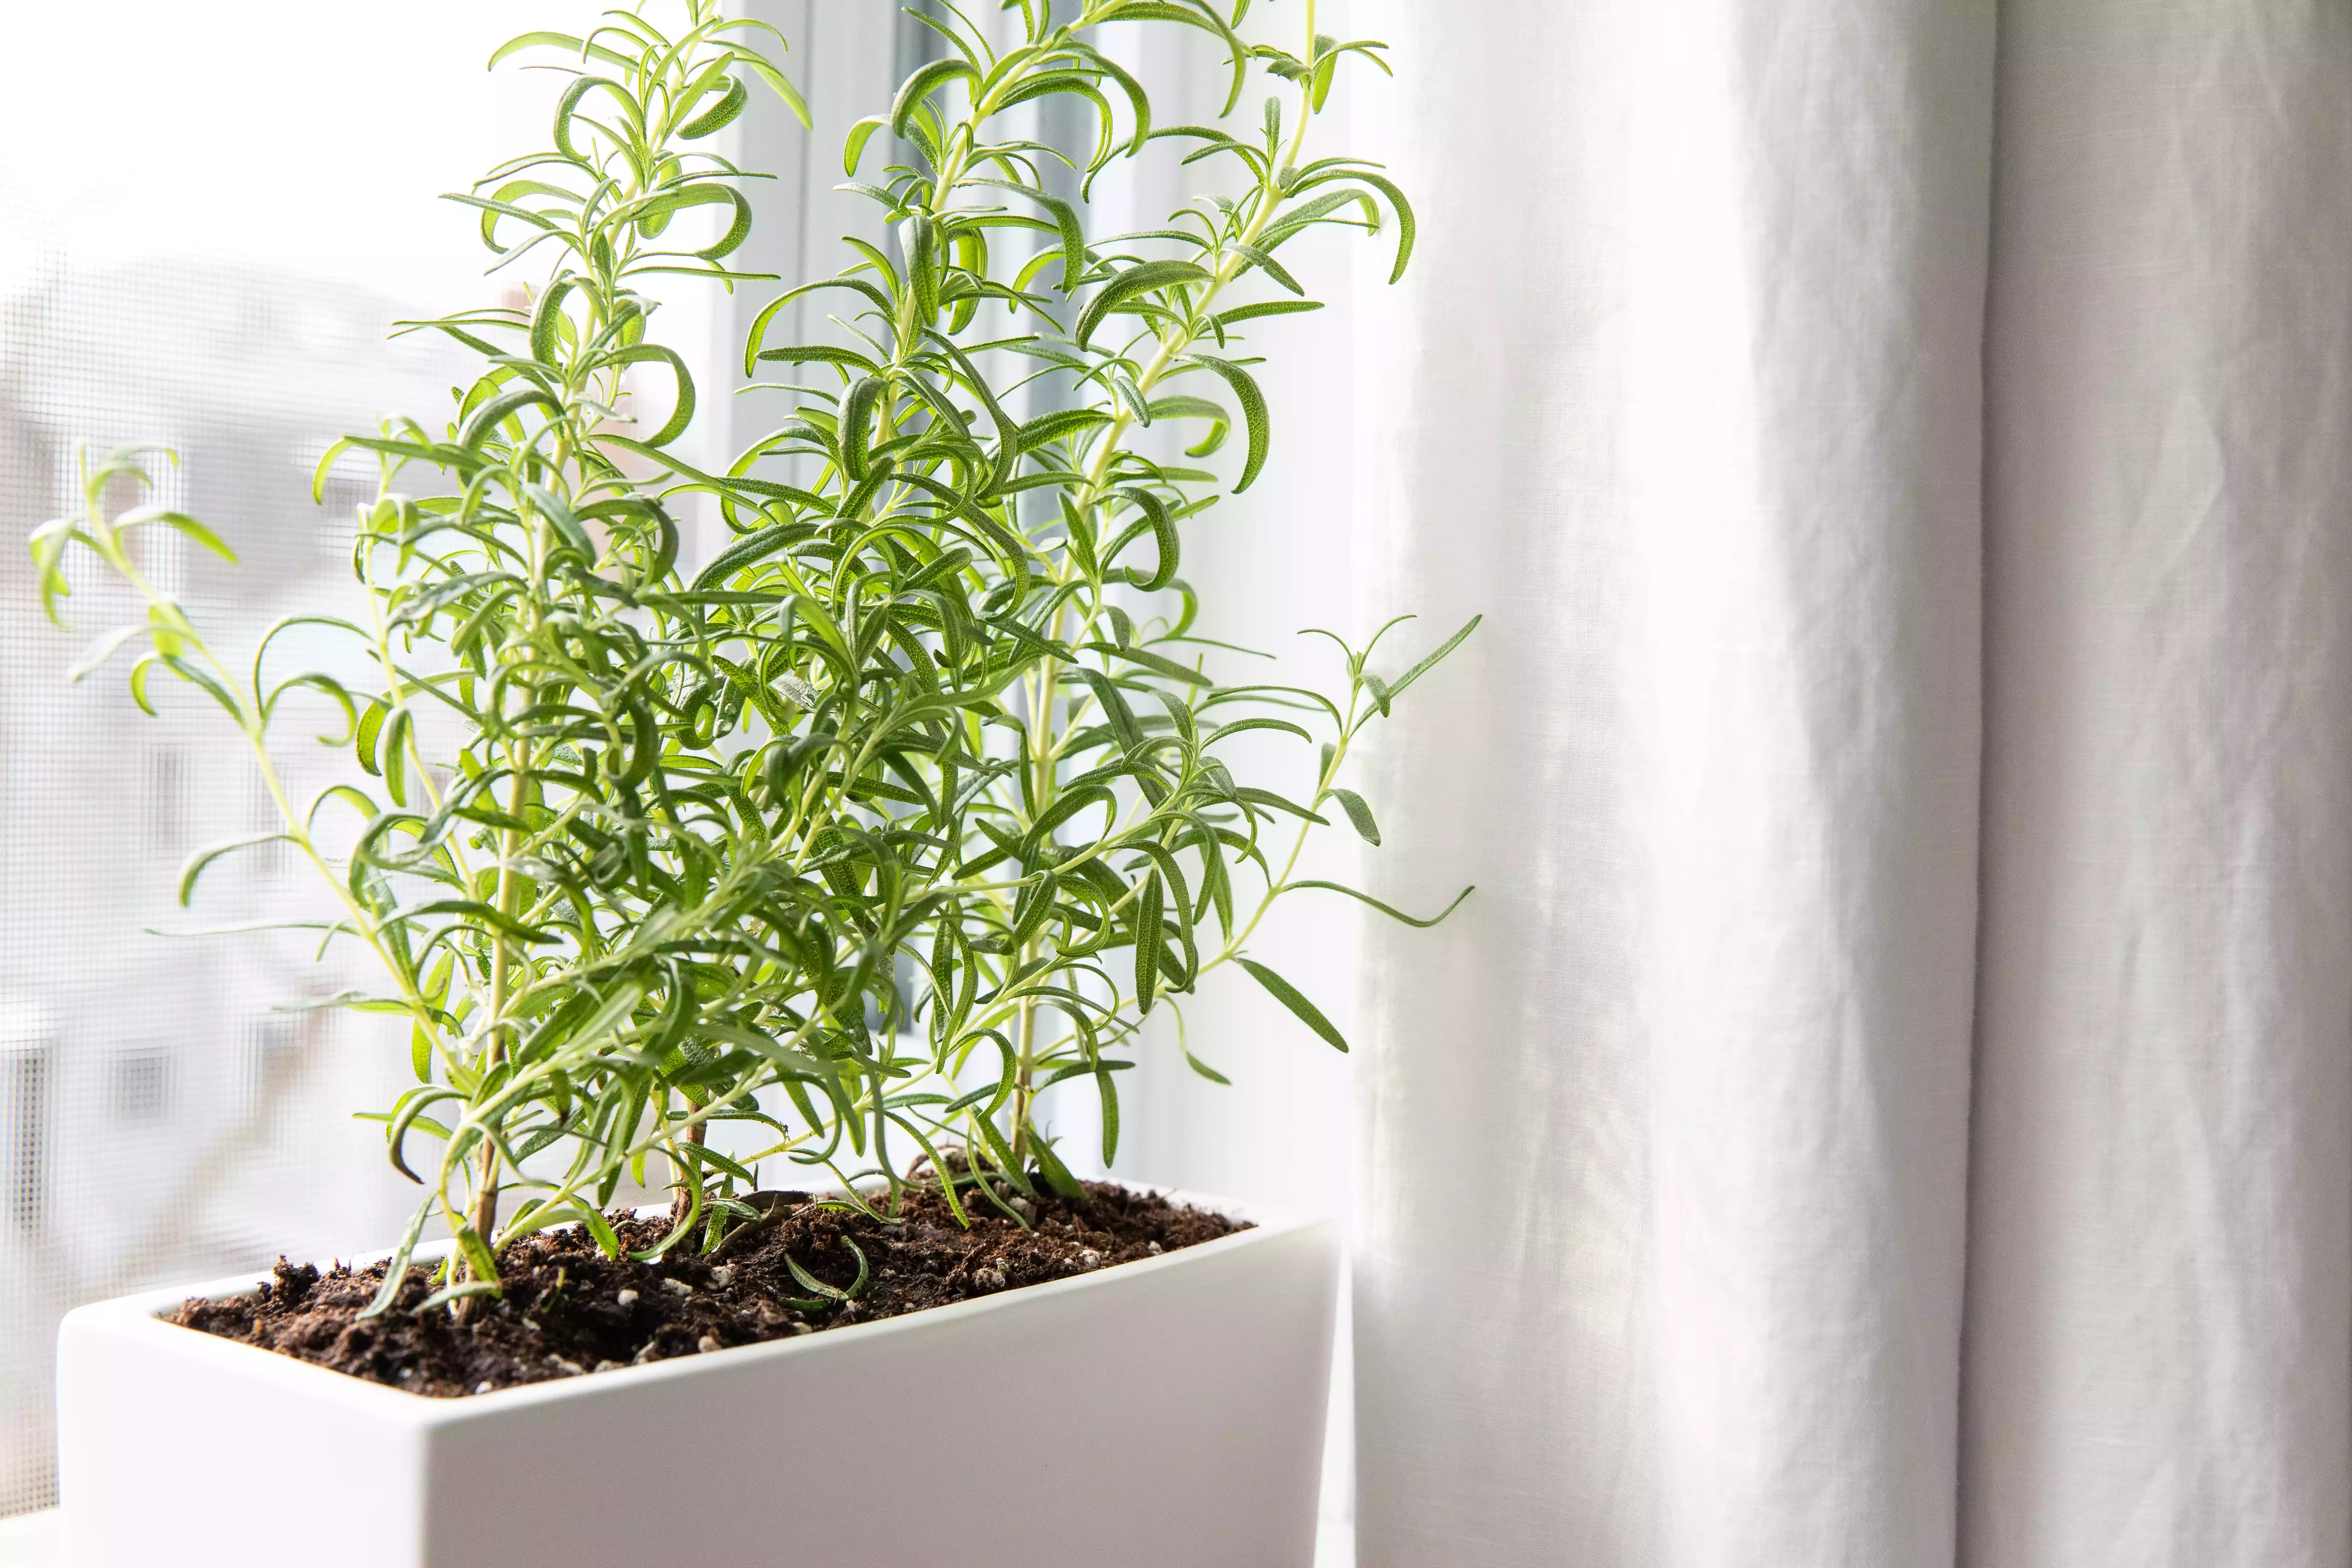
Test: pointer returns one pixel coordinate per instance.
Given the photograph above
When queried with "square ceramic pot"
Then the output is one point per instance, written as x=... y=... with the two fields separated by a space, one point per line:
x=1168 y=1412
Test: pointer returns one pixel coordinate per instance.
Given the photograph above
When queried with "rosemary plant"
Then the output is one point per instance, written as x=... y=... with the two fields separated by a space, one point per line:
x=910 y=804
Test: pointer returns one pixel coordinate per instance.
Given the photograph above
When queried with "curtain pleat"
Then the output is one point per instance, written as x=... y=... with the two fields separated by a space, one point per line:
x=1664 y=1138
x=2159 y=1308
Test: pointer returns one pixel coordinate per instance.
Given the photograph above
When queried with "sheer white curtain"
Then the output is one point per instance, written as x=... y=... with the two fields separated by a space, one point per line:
x=1888 y=1103
x=2160 y=1308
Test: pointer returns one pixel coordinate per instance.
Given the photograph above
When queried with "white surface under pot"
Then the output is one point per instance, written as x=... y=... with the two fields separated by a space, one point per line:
x=1162 y=1414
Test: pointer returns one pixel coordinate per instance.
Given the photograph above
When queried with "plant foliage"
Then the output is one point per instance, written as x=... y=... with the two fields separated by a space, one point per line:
x=914 y=801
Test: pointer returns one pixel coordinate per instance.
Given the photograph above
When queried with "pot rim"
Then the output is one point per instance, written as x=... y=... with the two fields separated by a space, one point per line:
x=142 y=1314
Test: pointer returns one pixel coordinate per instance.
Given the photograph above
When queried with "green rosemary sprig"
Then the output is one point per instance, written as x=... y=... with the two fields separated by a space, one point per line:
x=909 y=805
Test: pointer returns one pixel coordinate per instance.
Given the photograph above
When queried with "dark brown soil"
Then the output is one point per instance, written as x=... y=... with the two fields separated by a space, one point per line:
x=568 y=1309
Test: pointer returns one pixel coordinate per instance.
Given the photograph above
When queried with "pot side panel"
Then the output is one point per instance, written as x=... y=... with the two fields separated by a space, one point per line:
x=176 y=1449
x=1165 y=1416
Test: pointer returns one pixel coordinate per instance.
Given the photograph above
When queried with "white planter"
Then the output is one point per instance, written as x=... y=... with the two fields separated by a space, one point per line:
x=1162 y=1413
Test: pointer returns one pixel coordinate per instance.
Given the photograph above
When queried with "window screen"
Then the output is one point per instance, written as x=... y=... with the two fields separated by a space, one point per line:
x=208 y=257
x=166 y=1109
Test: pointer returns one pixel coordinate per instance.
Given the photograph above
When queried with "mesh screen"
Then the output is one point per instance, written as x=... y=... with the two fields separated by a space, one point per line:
x=164 y=1115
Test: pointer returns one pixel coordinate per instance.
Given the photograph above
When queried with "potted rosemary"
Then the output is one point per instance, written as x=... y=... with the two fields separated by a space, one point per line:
x=831 y=854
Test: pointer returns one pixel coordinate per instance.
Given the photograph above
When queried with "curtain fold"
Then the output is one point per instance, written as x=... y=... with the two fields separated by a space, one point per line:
x=1868 y=505
x=2159 y=1312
